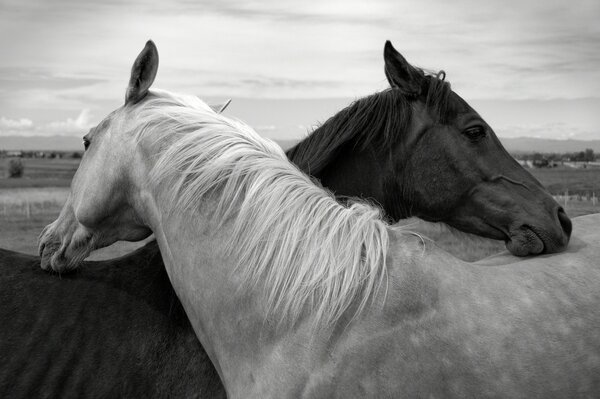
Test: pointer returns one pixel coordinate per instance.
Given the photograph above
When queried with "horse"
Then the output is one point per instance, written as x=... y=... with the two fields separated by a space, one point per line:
x=112 y=330
x=428 y=154
x=294 y=294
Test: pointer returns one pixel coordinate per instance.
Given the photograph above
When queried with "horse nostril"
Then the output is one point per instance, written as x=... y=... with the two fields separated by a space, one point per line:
x=565 y=222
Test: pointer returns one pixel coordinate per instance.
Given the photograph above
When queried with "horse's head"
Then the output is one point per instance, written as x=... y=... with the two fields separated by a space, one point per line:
x=454 y=169
x=100 y=207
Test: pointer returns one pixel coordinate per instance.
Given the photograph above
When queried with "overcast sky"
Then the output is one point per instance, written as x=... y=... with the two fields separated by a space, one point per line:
x=532 y=68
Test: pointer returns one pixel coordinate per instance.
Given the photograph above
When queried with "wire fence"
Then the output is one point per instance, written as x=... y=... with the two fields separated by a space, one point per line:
x=29 y=202
x=567 y=198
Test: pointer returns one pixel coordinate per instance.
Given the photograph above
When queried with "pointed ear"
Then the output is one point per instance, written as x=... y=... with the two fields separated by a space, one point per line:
x=400 y=73
x=219 y=108
x=143 y=73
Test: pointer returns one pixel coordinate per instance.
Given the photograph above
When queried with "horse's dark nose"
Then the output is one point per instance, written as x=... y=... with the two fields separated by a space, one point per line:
x=565 y=222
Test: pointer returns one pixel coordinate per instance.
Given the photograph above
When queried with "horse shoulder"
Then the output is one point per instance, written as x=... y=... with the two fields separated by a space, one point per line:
x=381 y=353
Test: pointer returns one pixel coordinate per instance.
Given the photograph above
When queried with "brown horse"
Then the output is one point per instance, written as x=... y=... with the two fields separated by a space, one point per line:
x=418 y=149
x=113 y=330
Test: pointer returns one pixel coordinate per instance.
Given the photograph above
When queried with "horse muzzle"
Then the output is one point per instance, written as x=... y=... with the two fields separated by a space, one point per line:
x=535 y=239
x=66 y=253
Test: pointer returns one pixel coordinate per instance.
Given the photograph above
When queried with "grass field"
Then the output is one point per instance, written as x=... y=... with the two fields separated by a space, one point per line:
x=575 y=181
x=28 y=204
x=40 y=173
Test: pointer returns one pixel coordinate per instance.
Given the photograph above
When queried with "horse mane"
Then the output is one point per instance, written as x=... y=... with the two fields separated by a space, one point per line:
x=291 y=237
x=377 y=120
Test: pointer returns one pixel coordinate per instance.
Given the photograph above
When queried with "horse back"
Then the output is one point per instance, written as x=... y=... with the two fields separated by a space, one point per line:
x=112 y=329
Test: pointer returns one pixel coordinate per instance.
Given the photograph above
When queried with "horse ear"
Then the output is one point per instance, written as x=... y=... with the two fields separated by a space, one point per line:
x=143 y=73
x=400 y=73
x=219 y=108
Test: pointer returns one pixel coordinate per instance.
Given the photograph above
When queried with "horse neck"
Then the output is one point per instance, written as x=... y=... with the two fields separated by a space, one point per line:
x=374 y=176
x=355 y=173
x=231 y=324
x=350 y=164
x=203 y=278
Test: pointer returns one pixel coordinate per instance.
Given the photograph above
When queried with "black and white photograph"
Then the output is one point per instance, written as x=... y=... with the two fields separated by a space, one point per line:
x=299 y=199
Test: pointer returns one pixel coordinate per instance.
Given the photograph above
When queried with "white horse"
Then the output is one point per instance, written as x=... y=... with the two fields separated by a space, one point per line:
x=294 y=295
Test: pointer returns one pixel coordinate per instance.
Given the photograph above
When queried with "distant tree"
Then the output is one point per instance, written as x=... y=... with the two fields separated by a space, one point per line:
x=554 y=157
x=537 y=156
x=526 y=156
x=589 y=155
x=76 y=155
x=15 y=168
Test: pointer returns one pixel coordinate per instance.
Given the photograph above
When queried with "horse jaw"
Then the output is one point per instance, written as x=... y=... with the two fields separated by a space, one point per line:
x=67 y=253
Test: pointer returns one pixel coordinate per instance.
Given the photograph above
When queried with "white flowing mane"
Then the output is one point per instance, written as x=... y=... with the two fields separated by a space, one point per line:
x=289 y=236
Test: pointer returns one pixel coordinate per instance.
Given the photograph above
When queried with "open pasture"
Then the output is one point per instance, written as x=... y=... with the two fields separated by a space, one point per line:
x=40 y=172
x=575 y=181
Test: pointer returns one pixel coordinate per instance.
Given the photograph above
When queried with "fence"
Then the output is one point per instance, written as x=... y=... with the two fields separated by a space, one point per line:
x=28 y=202
x=566 y=198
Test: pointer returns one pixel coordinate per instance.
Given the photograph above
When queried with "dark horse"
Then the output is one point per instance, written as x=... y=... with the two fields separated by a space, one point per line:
x=116 y=328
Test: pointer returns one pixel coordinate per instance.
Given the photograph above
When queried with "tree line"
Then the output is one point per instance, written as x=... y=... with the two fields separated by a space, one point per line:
x=587 y=155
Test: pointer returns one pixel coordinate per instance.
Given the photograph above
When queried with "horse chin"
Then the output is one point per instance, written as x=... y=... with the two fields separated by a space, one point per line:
x=524 y=241
x=55 y=260
x=62 y=259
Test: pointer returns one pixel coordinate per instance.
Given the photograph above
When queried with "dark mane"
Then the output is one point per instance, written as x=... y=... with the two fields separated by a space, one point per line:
x=378 y=120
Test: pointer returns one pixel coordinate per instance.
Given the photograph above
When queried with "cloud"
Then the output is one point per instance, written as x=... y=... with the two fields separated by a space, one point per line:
x=287 y=49
x=265 y=127
x=15 y=124
x=71 y=126
x=68 y=127
x=557 y=130
x=344 y=12
x=13 y=78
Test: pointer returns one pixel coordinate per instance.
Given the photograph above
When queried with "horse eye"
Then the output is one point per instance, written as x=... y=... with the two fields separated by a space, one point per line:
x=86 y=143
x=474 y=133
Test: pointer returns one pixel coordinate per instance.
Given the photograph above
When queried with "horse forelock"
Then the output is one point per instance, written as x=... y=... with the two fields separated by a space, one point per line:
x=377 y=120
x=290 y=237
x=438 y=98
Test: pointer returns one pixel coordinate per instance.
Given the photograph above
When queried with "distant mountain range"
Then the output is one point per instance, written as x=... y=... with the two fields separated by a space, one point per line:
x=513 y=145
x=35 y=143
x=531 y=144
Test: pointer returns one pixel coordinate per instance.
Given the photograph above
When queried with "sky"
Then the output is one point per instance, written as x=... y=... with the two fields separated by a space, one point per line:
x=530 y=67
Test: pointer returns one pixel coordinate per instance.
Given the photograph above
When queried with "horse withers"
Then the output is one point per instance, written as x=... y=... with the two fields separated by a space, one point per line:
x=293 y=294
